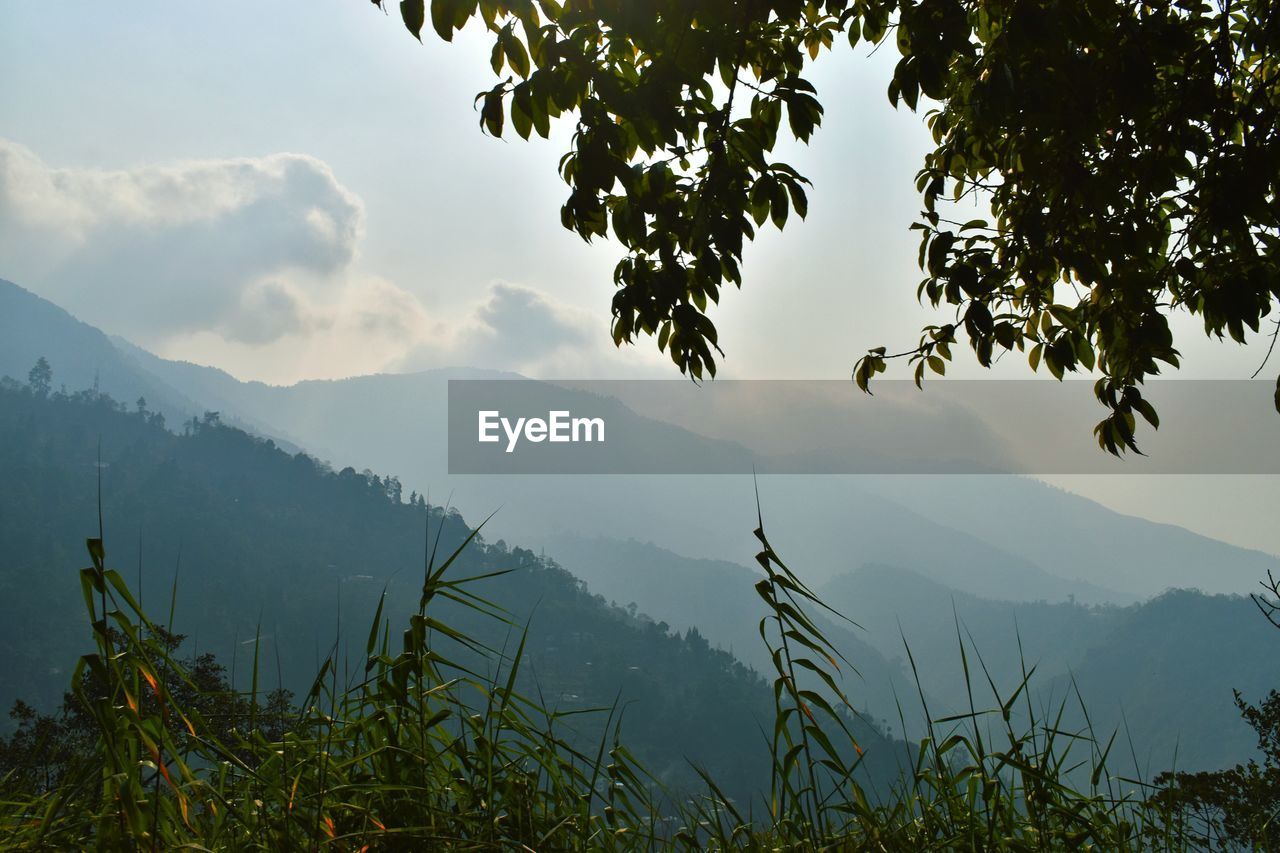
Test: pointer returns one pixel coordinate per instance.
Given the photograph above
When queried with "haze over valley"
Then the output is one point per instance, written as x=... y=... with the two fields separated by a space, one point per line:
x=913 y=562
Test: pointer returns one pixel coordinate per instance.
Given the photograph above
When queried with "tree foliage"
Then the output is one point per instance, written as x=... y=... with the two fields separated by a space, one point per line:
x=40 y=378
x=1237 y=807
x=44 y=749
x=1126 y=153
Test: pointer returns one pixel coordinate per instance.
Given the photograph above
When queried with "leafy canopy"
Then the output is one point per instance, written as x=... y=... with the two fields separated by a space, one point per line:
x=1127 y=152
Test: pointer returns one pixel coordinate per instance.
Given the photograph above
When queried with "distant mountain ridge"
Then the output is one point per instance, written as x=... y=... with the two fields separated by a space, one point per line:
x=1088 y=541
x=1000 y=537
x=1141 y=667
x=1135 y=665
x=83 y=356
x=31 y=327
x=719 y=599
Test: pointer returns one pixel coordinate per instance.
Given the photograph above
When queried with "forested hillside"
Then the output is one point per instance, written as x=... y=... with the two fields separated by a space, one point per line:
x=717 y=597
x=1140 y=670
x=260 y=540
x=1131 y=663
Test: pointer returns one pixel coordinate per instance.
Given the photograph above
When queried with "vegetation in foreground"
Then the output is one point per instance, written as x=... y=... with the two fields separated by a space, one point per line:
x=423 y=750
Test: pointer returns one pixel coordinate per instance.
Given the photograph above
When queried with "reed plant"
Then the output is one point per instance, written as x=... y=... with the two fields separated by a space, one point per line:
x=418 y=750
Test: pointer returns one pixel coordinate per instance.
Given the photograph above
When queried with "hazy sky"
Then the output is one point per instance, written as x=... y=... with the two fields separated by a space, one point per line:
x=299 y=189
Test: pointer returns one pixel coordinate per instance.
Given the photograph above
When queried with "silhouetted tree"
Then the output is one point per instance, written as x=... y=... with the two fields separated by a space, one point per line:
x=40 y=379
x=1120 y=158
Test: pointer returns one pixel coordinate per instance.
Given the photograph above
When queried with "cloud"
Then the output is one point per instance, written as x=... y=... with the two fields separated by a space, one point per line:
x=523 y=320
x=253 y=264
x=367 y=327
x=516 y=325
x=530 y=332
x=238 y=246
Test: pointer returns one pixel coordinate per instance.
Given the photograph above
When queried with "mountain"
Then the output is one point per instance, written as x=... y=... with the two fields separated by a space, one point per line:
x=31 y=327
x=1000 y=537
x=719 y=599
x=1071 y=536
x=1168 y=670
x=905 y=613
x=398 y=422
x=83 y=357
x=1160 y=672
x=997 y=552
x=265 y=543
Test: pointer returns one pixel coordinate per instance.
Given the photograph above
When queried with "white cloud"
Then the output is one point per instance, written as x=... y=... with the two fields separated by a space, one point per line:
x=252 y=264
x=243 y=247
x=364 y=329
x=525 y=330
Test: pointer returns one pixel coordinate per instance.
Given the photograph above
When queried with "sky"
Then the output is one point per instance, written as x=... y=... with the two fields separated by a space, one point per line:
x=299 y=189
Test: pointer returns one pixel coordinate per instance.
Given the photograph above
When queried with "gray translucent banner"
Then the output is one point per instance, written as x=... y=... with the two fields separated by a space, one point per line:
x=501 y=426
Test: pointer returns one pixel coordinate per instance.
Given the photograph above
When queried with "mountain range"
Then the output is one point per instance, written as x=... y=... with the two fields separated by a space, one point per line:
x=987 y=535
x=935 y=561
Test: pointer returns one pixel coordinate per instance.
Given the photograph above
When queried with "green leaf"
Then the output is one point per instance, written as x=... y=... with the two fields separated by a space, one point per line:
x=1084 y=351
x=441 y=18
x=799 y=200
x=779 y=205
x=1055 y=369
x=517 y=56
x=496 y=57
x=908 y=82
x=1148 y=412
x=414 y=14
x=96 y=552
x=522 y=110
x=491 y=114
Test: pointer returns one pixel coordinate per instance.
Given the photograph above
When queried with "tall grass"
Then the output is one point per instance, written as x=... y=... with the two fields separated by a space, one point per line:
x=418 y=751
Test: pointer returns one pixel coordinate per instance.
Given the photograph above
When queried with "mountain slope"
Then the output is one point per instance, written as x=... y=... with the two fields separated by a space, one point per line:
x=1074 y=537
x=719 y=599
x=1169 y=669
x=276 y=543
x=999 y=537
x=399 y=423
x=1161 y=672
x=83 y=357
x=903 y=609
